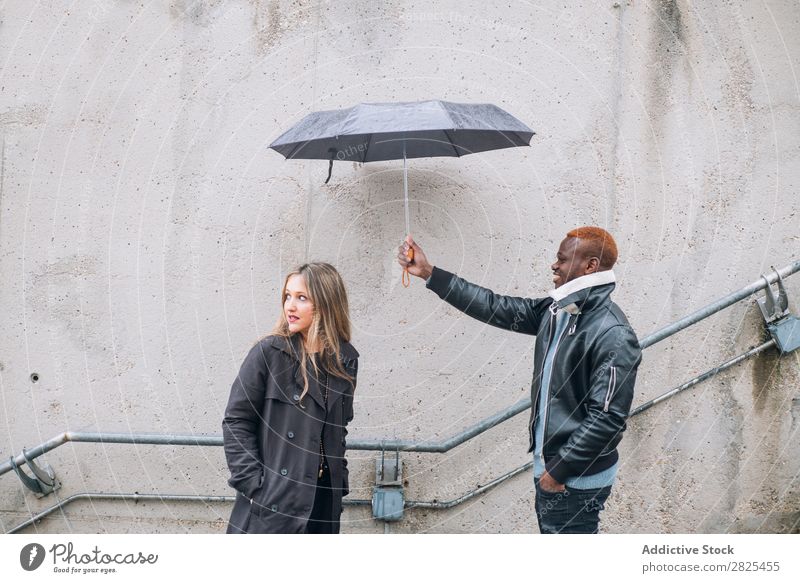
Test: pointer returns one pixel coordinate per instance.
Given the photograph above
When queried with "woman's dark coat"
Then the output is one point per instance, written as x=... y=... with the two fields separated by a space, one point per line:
x=271 y=439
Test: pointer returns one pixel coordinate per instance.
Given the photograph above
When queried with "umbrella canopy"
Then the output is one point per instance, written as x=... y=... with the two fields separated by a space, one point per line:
x=371 y=132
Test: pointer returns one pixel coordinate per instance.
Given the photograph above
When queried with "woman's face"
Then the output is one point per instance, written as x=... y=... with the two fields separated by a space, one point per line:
x=297 y=306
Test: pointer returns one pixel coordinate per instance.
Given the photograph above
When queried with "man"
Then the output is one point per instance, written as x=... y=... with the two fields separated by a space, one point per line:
x=585 y=363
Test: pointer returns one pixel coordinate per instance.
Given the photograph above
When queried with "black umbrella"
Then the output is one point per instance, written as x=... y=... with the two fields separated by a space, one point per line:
x=371 y=132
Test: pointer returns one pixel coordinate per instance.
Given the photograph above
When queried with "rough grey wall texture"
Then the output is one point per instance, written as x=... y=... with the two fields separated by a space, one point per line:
x=145 y=228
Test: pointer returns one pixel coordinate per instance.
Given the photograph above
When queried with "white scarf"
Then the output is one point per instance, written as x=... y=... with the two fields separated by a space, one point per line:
x=582 y=282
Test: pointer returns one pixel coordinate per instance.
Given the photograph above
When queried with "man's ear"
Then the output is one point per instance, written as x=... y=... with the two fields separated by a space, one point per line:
x=592 y=265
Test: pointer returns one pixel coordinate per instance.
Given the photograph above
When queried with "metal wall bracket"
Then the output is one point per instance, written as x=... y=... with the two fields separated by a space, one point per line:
x=388 y=499
x=43 y=481
x=774 y=308
x=786 y=334
x=782 y=326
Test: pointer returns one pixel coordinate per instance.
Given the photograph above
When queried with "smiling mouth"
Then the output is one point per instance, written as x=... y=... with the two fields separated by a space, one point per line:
x=292 y=319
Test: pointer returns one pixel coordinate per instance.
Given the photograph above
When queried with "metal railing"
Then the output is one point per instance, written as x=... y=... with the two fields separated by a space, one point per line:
x=429 y=446
x=137 y=497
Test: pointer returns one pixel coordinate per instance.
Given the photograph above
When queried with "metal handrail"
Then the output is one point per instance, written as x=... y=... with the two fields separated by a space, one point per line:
x=137 y=497
x=701 y=377
x=440 y=446
x=719 y=305
x=216 y=440
x=100 y=437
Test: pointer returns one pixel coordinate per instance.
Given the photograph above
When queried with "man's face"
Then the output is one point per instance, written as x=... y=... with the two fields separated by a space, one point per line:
x=570 y=263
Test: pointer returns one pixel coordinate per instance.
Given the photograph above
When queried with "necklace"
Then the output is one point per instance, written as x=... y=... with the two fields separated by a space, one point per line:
x=324 y=386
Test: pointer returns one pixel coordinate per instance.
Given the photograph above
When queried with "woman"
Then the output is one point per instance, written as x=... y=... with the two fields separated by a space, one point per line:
x=285 y=424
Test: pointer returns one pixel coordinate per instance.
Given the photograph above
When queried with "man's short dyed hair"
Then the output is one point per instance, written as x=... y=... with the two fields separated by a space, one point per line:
x=598 y=243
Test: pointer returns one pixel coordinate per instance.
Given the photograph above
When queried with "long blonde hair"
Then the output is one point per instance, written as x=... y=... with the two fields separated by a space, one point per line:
x=330 y=324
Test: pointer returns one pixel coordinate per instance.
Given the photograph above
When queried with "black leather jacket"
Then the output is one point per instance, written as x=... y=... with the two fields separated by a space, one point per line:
x=593 y=373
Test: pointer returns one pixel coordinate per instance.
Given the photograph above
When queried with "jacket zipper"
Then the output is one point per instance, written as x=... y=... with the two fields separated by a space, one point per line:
x=612 y=385
x=535 y=403
x=552 y=362
x=574 y=324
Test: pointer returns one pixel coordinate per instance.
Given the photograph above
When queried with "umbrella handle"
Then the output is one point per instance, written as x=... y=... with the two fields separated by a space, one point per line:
x=330 y=171
x=406 y=278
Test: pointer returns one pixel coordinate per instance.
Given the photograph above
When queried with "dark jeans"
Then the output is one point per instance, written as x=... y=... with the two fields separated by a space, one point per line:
x=321 y=520
x=571 y=511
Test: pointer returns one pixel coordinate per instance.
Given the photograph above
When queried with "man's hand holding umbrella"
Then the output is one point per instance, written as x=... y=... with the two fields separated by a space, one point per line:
x=417 y=264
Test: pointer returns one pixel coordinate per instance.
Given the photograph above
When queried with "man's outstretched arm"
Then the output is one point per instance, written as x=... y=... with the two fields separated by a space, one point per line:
x=508 y=312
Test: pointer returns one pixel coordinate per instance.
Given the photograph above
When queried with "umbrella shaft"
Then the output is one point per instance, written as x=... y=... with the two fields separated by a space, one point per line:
x=405 y=191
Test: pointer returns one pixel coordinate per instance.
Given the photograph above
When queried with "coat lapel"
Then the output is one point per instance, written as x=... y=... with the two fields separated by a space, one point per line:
x=314 y=390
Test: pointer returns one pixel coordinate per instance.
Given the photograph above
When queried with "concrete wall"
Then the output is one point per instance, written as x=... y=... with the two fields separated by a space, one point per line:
x=145 y=229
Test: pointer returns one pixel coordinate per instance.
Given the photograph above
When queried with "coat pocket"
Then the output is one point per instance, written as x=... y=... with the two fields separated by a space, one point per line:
x=289 y=394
